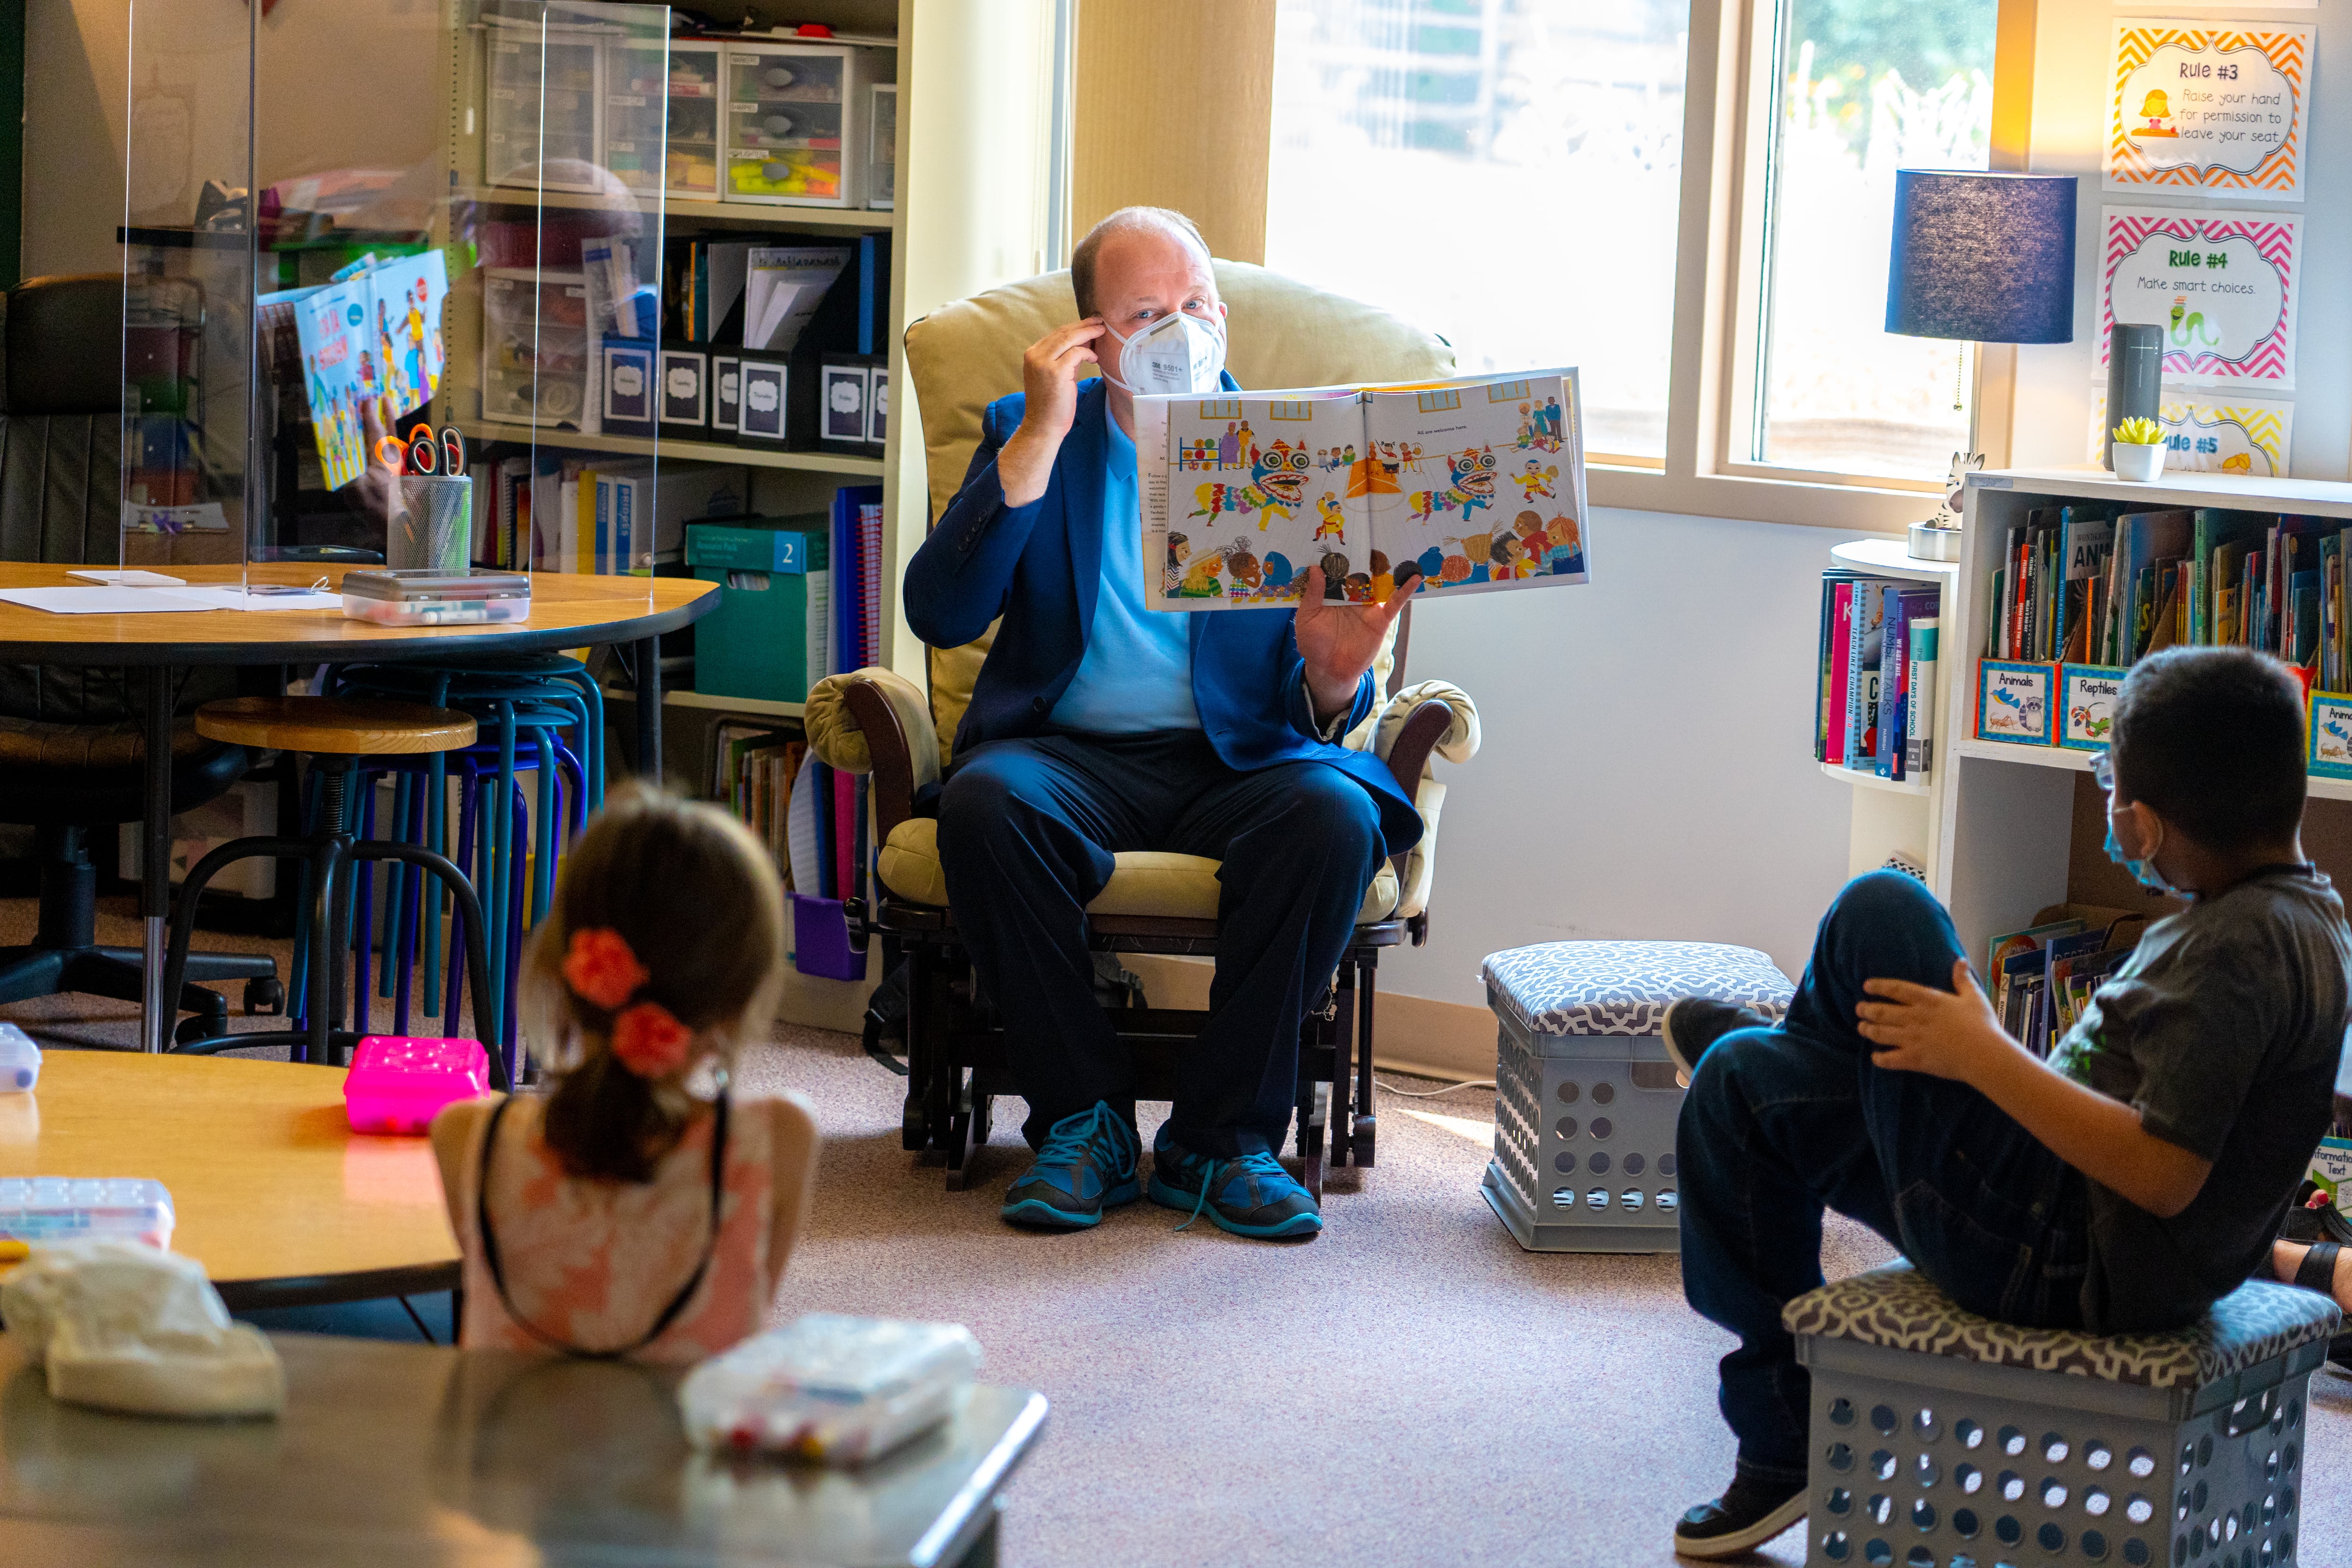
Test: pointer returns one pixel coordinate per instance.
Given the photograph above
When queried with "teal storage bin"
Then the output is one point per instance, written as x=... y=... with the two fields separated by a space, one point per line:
x=767 y=639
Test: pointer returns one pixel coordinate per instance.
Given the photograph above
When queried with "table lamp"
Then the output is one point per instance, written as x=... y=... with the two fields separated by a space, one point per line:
x=1984 y=256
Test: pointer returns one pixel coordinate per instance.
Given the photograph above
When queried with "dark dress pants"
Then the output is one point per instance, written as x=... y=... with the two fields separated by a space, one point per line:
x=1780 y=1123
x=1027 y=829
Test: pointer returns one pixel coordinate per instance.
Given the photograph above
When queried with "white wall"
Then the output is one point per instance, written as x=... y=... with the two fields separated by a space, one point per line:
x=2073 y=55
x=1647 y=768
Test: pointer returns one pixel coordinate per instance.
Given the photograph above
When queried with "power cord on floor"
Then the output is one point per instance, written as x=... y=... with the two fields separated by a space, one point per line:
x=1431 y=1093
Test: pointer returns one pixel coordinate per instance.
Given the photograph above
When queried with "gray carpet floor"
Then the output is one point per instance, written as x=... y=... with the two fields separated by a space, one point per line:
x=1409 y=1388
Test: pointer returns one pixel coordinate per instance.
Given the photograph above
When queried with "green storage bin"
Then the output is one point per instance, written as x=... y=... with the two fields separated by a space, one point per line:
x=767 y=638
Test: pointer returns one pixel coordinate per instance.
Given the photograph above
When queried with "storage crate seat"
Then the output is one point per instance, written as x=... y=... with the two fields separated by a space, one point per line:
x=1585 y=1098
x=1939 y=1437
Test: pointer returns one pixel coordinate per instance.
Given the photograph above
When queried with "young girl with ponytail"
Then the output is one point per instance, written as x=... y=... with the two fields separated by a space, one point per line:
x=637 y=1208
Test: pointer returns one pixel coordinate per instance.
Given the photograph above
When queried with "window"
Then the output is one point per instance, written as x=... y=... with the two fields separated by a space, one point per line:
x=1851 y=92
x=1512 y=175
x=1509 y=173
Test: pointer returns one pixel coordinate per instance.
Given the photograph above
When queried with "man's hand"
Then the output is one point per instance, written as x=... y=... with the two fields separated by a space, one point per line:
x=1946 y=1033
x=1049 y=376
x=1339 y=641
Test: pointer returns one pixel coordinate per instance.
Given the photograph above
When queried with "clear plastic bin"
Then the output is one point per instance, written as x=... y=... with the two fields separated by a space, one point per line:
x=694 y=116
x=786 y=114
x=882 y=147
x=38 y=1210
x=20 y=1060
x=833 y=1389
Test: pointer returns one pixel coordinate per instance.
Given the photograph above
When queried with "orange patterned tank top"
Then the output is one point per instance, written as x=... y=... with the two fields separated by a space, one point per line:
x=592 y=1263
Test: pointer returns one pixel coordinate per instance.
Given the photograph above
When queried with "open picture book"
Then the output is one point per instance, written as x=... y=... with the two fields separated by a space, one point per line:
x=1445 y=488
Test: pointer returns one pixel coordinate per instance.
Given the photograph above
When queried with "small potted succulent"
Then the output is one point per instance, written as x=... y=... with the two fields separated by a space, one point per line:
x=2140 y=450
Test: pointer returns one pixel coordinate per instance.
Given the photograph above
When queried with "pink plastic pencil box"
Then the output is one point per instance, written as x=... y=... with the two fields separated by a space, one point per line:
x=398 y=1081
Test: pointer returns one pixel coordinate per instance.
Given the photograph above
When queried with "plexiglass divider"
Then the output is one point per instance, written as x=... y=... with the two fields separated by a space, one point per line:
x=424 y=332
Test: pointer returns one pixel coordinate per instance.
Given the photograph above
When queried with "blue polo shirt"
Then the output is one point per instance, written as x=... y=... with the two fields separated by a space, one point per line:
x=1135 y=676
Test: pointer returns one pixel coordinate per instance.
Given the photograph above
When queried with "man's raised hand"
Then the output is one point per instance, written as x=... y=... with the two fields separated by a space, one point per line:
x=1340 y=640
x=1050 y=369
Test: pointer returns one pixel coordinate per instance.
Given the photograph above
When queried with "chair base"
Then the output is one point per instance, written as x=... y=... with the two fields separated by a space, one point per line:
x=27 y=972
x=955 y=1045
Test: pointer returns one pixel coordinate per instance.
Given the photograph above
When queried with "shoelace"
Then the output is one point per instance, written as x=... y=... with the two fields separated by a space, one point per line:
x=1065 y=1148
x=1259 y=1164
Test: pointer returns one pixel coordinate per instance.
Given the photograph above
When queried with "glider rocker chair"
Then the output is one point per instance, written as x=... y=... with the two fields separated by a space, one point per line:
x=874 y=720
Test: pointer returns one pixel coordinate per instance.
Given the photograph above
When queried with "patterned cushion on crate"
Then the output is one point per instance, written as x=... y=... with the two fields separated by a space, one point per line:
x=1900 y=1308
x=1624 y=987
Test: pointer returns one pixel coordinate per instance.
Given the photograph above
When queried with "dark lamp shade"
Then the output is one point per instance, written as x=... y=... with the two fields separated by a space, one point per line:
x=1985 y=257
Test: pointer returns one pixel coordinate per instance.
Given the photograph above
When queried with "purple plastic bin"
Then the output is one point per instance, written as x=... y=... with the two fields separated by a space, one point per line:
x=821 y=940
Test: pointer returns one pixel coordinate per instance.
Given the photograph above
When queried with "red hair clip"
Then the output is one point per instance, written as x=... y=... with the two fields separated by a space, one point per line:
x=601 y=968
x=650 y=1041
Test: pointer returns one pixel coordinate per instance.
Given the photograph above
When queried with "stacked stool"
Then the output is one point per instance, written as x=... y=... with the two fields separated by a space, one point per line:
x=339 y=734
x=1940 y=1437
x=1585 y=1097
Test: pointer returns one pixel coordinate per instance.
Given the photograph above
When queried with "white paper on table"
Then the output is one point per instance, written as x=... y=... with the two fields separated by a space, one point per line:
x=95 y=600
x=129 y=579
x=231 y=597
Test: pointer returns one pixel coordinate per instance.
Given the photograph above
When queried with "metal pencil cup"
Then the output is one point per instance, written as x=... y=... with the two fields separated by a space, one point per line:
x=432 y=524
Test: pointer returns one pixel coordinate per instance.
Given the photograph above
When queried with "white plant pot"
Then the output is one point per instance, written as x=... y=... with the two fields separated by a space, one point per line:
x=2138 y=463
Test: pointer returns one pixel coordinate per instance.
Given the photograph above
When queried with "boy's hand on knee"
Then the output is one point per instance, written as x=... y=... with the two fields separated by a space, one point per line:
x=1948 y=1034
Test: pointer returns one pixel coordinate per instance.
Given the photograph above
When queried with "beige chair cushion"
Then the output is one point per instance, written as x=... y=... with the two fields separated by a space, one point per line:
x=964 y=356
x=1147 y=882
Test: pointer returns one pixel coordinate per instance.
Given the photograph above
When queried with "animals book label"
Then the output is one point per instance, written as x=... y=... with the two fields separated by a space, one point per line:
x=2197 y=110
x=1448 y=487
x=2013 y=701
x=2086 y=707
x=2220 y=285
x=2331 y=735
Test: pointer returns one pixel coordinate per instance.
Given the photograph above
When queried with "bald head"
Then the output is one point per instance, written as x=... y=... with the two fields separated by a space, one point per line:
x=1135 y=239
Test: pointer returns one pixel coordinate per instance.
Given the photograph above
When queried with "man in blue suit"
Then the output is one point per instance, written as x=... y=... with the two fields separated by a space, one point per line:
x=1097 y=726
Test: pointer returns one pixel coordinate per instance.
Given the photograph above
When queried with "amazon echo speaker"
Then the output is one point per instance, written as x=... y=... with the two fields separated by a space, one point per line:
x=2134 y=379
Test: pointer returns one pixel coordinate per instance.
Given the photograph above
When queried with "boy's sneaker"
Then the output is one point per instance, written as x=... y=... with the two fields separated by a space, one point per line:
x=1745 y=1517
x=1694 y=1023
x=1250 y=1195
x=1088 y=1165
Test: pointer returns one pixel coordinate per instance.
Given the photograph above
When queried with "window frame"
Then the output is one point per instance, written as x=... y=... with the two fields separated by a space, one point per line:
x=1728 y=97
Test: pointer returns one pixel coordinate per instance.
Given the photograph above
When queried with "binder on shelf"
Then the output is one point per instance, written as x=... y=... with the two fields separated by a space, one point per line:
x=2015 y=701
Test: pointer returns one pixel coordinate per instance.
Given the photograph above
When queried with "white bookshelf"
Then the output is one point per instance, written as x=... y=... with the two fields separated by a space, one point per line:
x=2005 y=812
x=1894 y=817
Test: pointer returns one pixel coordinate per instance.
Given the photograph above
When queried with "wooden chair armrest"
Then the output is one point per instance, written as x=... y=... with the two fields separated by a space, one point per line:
x=874 y=721
x=1422 y=730
x=894 y=762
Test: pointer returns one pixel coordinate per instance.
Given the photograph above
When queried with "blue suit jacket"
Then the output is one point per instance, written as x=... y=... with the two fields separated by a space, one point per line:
x=1040 y=567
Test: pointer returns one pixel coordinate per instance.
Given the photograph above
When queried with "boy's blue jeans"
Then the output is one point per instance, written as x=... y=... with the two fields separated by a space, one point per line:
x=1780 y=1123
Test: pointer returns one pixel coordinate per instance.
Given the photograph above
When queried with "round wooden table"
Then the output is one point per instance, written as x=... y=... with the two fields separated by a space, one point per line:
x=567 y=610
x=272 y=1191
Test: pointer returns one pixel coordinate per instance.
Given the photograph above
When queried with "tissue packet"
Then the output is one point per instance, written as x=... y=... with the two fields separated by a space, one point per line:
x=833 y=1389
x=120 y=1326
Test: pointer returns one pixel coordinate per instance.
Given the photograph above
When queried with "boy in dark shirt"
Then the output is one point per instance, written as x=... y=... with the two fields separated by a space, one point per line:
x=2125 y=1183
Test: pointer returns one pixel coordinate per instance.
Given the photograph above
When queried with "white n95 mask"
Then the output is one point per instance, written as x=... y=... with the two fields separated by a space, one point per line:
x=1175 y=355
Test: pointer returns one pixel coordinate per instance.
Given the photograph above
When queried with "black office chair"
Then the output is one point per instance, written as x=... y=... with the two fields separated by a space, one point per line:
x=71 y=750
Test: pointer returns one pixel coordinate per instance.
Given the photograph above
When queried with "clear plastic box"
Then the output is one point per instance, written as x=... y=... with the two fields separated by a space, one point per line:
x=833 y=1389
x=37 y=1209
x=20 y=1060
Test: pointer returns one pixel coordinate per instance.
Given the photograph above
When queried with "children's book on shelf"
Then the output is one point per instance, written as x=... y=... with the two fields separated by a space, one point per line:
x=1875 y=671
x=1461 y=486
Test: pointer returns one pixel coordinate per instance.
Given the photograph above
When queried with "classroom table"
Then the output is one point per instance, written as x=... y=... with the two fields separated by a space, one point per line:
x=567 y=610
x=392 y=1455
x=273 y=1192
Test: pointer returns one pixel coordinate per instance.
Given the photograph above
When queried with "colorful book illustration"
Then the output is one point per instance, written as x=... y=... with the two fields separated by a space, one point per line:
x=1453 y=486
x=370 y=340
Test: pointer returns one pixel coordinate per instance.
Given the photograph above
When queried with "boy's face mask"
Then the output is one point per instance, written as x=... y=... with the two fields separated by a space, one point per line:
x=2142 y=867
x=1176 y=355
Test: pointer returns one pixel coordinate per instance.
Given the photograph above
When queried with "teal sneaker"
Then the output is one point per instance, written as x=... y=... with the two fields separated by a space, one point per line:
x=1250 y=1195
x=1088 y=1165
